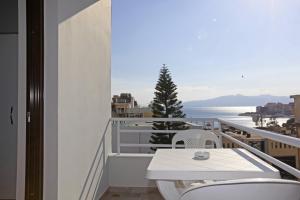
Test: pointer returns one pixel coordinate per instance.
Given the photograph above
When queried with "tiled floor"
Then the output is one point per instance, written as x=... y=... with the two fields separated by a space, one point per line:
x=132 y=194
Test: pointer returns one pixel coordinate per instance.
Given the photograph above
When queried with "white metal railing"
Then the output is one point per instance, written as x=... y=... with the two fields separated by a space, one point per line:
x=266 y=134
x=207 y=123
x=265 y=156
x=123 y=122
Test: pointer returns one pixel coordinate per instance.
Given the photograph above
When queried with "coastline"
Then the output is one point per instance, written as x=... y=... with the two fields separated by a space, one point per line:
x=228 y=113
x=254 y=114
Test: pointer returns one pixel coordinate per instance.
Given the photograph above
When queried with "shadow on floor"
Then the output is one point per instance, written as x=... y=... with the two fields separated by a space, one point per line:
x=132 y=194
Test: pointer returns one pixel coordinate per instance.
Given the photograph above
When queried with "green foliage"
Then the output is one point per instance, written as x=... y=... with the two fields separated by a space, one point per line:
x=291 y=125
x=273 y=123
x=164 y=105
x=259 y=120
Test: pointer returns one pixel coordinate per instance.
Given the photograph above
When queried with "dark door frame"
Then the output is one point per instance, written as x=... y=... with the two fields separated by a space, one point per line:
x=34 y=100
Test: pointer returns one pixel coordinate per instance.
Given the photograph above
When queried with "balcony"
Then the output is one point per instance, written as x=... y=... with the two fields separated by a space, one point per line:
x=132 y=151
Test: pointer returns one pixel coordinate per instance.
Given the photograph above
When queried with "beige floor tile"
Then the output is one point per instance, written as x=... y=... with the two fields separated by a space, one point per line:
x=132 y=194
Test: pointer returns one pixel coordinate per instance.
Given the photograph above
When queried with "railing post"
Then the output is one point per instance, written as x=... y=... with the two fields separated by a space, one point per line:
x=220 y=130
x=118 y=137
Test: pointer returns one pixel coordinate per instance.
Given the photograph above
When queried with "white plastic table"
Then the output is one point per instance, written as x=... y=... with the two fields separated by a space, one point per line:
x=171 y=165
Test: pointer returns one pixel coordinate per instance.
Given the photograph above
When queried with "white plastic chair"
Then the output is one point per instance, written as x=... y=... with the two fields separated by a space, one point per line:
x=245 y=189
x=195 y=138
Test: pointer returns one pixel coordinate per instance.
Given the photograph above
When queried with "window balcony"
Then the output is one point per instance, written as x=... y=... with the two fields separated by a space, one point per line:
x=132 y=154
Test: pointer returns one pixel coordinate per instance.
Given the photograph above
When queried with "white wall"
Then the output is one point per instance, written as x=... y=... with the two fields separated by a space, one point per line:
x=129 y=170
x=84 y=97
x=50 y=185
x=20 y=190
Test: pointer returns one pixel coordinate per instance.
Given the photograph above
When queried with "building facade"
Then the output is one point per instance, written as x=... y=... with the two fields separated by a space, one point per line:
x=297 y=117
x=124 y=105
x=121 y=103
x=276 y=109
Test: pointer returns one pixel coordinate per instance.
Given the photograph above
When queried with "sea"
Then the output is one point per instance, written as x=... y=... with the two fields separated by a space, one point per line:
x=227 y=113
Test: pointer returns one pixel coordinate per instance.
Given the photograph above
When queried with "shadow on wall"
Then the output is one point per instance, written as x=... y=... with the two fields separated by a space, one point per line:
x=67 y=9
x=9 y=10
x=97 y=172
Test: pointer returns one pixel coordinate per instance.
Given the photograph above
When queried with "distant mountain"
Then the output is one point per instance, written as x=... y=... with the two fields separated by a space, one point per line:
x=238 y=100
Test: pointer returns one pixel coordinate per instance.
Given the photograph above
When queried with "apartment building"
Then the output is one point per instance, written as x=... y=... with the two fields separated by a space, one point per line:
x=276 y=109
x=297 y=118
x=121 y=103
x=124 y=105
x=283 y=152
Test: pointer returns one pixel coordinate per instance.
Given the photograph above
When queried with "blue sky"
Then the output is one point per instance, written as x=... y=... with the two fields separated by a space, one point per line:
x=208 y=46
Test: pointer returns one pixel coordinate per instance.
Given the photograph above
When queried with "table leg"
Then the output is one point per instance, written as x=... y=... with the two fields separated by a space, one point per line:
x=168 y=189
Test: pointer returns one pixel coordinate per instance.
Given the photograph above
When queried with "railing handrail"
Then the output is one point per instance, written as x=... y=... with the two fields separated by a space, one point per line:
x=150 y=145
x=148 y=131
x=146 y=119
x=293 y=141
x=295 y=172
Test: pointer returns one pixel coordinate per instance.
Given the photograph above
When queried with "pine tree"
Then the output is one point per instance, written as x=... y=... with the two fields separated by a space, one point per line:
x=164 y=105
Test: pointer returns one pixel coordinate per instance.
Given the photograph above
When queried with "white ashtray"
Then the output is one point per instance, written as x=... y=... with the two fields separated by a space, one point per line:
x=201 y=155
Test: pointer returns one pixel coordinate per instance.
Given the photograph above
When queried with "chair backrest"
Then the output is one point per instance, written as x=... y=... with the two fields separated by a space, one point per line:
x=195 y=138
x=246 y=189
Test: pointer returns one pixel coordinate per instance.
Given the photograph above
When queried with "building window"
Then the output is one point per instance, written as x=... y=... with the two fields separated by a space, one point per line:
x=232 y=145
x=284 y=146
x=280 y=145
x=228 y=145
x=272 y=145
x=275 y=145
